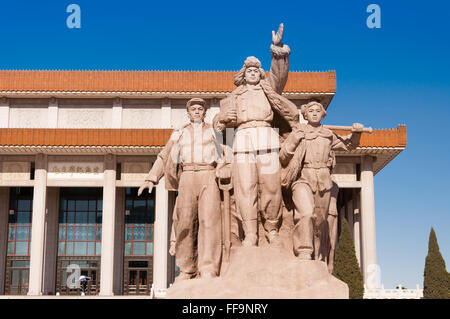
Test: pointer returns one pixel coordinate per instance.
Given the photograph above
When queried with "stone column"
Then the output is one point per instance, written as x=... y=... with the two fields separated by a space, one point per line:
x=51 y=240
x=119 y=241
x=170 y=259
x=4 y=112
x=52 y=118
x=161 y=229
x=166 y=113
x=117 y=113
x=367 y=216
x=349 y=208
x=108 y=226
x=38 y=226
x=357 y=225
x=4 y=213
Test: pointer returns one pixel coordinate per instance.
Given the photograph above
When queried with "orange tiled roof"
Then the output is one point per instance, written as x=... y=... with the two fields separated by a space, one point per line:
x=394 y=137
x=149 y=137
x=150 y=81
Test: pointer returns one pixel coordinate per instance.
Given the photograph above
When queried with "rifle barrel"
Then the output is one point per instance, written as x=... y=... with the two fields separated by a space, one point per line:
x=347 y=128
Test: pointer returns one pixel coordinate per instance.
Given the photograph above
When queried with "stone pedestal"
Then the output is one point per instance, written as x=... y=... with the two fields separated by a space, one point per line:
x=262 y=273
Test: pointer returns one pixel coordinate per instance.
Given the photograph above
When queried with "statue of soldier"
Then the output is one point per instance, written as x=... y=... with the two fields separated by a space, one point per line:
x=306 y=155
x=256 y=109
x=189 y=162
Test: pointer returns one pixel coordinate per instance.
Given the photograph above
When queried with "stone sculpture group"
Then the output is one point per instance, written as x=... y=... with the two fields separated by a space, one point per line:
x=253 y=161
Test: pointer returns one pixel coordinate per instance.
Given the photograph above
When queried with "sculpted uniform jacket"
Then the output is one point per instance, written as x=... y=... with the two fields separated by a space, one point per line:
x=169 y=161
x=310 y=159
x=286 y=114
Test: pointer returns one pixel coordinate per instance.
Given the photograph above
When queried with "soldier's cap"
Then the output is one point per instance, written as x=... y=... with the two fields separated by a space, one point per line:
x=196 y=100
x=252 y=61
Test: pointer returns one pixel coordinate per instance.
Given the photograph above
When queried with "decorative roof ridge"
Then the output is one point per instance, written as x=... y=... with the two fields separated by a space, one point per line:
x=144 y=70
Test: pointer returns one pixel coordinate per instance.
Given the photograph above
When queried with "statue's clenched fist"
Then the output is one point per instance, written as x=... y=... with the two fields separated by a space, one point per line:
x=357 y=128
x=147 y=184
x=229 y=116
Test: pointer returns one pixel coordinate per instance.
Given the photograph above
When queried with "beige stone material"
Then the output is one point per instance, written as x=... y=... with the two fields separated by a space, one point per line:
x=256 y=109
x=160 y=239
x=261 y=273
x=345 y=172
x=38 y=227
x=367 y=219
x=134 y=171
x=307 y=159
x=108 y=227
x=188 y=162
x=15 y=171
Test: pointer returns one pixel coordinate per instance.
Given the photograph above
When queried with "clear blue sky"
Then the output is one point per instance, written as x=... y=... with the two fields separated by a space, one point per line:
x=399 y=74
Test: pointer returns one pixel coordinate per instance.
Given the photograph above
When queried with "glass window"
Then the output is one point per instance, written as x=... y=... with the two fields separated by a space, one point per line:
x=19 y=220
x=62 y=217
x=91 y=248
x=128 y=248
x=24 y=205
x=92 y=205
x=80 y=233
x=61 y=246
x=150 y=218
x=98 y=248
x=20 y=263
x=62 y=233
x=23 y=217
x=139 y=205
x=71 y=218
x=91 y=233
x=21 y=247
x=128 y=233
x=11 y=233
x=62 y=204
x=78 y=229
x=138 y=233
x=81 y=218
x=149 y=249
x=98 y=233
x=99 y=205
x=11 y=248
x=139 y=219
x=70 y=231
x=150 y=233
x=69 y=248
x=82 y=205
x=71 y=205
x=92 y=217
x=21 y=233
x=80 y=248
x=128 y=204
x=138 y=248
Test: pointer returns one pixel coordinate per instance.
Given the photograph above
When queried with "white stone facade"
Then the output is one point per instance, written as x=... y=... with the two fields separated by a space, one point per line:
x=54 y=170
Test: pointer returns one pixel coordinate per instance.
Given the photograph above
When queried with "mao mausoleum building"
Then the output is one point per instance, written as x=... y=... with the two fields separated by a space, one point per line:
x=76 y=145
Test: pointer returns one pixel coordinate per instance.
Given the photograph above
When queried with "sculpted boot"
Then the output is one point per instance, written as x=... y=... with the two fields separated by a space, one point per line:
x=274 y=238
x=183 y=276
x=250 y=231
x=304 y=254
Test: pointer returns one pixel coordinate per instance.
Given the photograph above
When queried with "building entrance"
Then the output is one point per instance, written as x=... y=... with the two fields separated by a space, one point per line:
x=17 y=276
x=19 y=239
x=70 y=271
x=79 y=240
x=137 y=277
x=138 y=252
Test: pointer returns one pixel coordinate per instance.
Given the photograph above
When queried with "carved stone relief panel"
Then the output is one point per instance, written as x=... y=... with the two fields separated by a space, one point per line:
x=134 y=171
x=345 y=172
x=15 y=171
